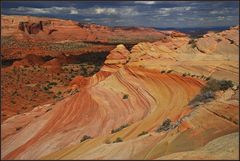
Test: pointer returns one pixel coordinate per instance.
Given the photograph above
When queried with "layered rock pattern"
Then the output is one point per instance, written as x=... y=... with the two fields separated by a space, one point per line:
x=141 y=88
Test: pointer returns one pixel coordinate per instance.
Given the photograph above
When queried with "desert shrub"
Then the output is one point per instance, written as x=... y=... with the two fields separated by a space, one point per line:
x=45 y=88
x=125 y=96
x=120 y=128
x=184 y=75
x=193 y=43
x=85 y=137
x=163 y=71
x=216 y=85
x=208 y=78
x=166 y=125
x=118 y=140
x=13 y=102
x=208 y=91
x=18 y=128
x=203 y=97
x=59 y=92
x=52 y=84
x=143 y=133
x=169 y=71
x=225 y=84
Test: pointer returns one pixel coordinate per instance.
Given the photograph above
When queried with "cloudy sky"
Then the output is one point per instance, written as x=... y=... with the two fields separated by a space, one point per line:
x=160 y=14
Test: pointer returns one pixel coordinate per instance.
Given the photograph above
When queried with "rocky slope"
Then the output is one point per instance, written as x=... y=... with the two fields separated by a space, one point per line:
x=135 y=91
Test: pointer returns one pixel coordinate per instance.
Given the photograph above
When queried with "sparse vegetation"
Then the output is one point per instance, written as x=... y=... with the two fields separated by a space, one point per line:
x=18 y=128
x=163 y=71
x=118 y=140
x=193 y=43
x=120 y=128
x=52 y=84
x=125 y=96
x=85 y=137
x=166 y=125
x=169 y=71
x=143 y=133
x=45 y=88
x=208 y=92
x=208 y=78
x=13 y=102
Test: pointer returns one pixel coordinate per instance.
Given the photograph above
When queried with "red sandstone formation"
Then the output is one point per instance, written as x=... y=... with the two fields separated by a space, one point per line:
x=141 y=88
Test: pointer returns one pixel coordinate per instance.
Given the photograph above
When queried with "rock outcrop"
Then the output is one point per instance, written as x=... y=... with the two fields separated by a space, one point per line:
x=116 y=59
x=31 y=28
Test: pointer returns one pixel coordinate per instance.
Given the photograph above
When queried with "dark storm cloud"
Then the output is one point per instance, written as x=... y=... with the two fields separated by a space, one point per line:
x=134 y=13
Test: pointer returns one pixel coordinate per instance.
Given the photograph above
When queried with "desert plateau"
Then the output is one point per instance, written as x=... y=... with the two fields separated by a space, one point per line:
x=76 y=90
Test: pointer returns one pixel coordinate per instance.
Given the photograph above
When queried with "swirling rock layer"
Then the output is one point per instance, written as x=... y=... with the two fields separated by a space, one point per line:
x=137 y=93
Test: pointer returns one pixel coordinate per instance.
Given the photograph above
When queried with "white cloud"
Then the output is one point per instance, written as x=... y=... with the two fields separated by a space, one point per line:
x=145 y=2
x=213 y=12
x=29 y=10
x=87 y=19
x=55 y=10
x=123 y=11
x=107 y=11
x=220 y=18
x=74 y=12
x=168 y=11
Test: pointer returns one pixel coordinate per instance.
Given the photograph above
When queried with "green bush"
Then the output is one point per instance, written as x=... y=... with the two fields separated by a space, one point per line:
x=85 y=137
x=52 y=84
x=143 y=133
x=118 y=140
x=120 y=128
x=125 y=96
